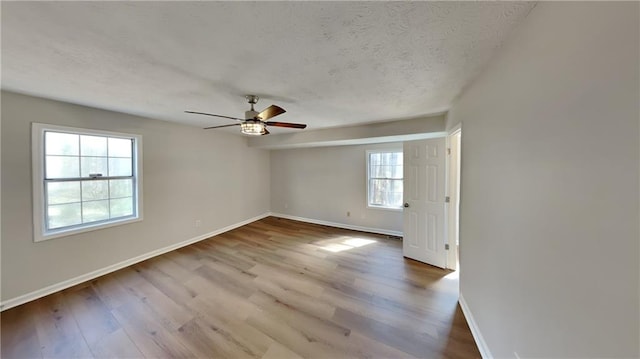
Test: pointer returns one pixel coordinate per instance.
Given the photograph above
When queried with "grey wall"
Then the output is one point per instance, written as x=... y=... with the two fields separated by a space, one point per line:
x=550 y=161
x=325 y=183
x=189 y=174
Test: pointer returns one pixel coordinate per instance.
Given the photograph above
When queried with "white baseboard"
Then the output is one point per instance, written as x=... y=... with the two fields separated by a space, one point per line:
x=339 y=225
x=475 y=331
x=10 y=303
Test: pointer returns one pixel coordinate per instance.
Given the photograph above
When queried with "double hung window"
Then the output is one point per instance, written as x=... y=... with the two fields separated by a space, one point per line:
x=384 y=179
x=84 y=180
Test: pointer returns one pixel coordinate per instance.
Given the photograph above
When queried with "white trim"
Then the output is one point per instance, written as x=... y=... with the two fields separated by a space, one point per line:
x=454 y=129
x=452 y=191
x=87 y=228
x=339 y=225
x=475 y=331
x=13 y=302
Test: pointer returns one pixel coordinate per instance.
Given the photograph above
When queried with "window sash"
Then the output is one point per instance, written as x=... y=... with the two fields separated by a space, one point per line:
x=79 y=155
x=391 y=198
x=81 y=202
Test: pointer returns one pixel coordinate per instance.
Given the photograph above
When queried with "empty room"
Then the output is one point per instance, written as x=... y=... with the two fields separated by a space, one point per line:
x=209 y=179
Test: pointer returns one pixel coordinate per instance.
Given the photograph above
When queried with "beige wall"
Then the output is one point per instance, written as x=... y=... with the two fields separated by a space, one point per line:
x=549 y=215
x=324 y=183
x=189 y=174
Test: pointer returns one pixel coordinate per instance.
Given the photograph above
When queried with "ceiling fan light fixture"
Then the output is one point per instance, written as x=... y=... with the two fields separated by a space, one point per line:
x=252 y=128
x=255 y=123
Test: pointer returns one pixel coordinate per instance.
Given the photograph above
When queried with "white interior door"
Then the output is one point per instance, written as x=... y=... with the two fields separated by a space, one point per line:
x=424 y=201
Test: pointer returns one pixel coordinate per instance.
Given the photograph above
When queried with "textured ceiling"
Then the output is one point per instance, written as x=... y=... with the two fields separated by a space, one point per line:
x=328 y=63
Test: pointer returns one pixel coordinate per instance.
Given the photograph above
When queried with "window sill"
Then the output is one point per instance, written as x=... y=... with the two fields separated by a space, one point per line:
x=69 y=232
x=392 y=209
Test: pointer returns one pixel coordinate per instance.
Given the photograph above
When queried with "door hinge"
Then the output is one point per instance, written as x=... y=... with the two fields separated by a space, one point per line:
x=448 y=151
x=446 y=247
x=447 y=199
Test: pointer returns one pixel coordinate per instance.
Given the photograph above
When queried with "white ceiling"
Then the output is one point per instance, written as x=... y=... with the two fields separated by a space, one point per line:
x=327 y=63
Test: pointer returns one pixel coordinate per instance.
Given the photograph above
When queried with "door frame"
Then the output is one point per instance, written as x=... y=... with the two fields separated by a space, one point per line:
x=452 y=210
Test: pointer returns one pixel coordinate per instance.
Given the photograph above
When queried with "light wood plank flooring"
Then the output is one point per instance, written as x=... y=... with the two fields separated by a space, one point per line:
x=272 y=289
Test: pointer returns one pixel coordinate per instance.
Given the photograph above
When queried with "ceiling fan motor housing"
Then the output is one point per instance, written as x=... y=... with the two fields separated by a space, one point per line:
x=251 y=114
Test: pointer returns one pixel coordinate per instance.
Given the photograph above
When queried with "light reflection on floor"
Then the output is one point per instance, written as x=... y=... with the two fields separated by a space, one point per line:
x=343 y=243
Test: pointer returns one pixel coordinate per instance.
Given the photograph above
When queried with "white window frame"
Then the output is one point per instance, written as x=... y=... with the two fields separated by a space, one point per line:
x=40 y=232
x=368 y=154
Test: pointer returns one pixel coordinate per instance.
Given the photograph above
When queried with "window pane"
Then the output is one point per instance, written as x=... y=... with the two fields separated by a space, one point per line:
x=397 y=172
x=396 y=186
x=63 y=192
x=62 y=167
x=121 y=207
x=396 y=200
x=121 y=188
x=95 y=211
x=374 y=159
x=61 y=144
x=63 y=215
x=120 y=167
x=387 y=171
x=375 y=192
x=119 y=147
x=387 y=193
x=376 y=171
x=93 y=165
x=94 y=190
x=93 y=146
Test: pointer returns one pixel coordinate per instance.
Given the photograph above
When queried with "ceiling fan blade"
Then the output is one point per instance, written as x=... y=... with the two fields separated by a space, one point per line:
x=286 y=124
x=235 y=124
x=210 y=114
x=271 y=111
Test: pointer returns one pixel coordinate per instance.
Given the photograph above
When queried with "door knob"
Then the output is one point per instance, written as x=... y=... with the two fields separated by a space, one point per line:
x=406 y=205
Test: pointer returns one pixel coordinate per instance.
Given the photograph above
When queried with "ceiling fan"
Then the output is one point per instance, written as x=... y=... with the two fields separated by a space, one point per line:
x=255 y=123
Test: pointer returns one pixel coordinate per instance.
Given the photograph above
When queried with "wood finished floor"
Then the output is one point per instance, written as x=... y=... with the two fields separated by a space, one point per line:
x=272 y=289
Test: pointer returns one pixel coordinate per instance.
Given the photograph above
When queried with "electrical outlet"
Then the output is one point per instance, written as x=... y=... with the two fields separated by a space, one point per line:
x=198 y=223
